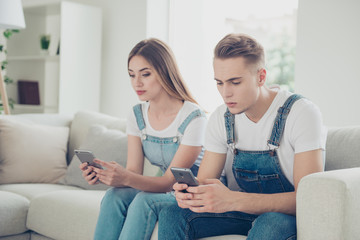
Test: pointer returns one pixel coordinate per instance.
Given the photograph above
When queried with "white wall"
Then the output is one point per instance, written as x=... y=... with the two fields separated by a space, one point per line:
x=327 y=58
x=125 y=23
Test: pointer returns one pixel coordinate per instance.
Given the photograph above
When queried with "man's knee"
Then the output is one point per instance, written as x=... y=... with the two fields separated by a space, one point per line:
x=273 y=225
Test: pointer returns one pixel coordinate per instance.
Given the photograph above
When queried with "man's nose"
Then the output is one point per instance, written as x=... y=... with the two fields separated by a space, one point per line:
x=227 y=91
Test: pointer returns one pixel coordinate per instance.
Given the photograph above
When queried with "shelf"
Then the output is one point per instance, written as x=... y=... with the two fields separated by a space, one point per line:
x=27 y=108
x=33 y=57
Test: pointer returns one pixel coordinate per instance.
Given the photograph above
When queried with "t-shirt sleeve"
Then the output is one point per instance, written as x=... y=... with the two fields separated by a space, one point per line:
x=131 y=125
x=215 y=137
x=195 y=132
x=308 y=131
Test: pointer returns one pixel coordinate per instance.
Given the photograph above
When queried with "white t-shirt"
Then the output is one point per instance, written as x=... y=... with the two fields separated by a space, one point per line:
x=304 y=131
x=194 y=132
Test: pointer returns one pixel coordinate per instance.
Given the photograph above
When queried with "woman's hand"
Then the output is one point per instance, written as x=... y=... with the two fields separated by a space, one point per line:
x=113 y=175
x=88 y=173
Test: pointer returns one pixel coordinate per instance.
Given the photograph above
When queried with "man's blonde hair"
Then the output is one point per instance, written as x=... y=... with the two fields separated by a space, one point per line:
x=241 y=45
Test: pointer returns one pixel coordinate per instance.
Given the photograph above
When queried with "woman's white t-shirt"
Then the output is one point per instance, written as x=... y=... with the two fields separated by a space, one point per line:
x=304 y=131
x=194 y=132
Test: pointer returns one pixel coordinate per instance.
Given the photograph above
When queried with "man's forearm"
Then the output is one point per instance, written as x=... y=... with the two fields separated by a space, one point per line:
x=255 y=203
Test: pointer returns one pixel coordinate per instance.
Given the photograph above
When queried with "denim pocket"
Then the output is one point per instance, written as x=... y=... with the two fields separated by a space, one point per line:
x=252 y=181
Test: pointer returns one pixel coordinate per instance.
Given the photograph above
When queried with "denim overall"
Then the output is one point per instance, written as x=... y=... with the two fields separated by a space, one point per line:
x=260 y=171
x=128 y=213
x=255 y=172
x=160 y=151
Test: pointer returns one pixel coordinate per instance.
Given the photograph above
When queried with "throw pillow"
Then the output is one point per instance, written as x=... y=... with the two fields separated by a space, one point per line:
x=32 y=153
x=107 y=145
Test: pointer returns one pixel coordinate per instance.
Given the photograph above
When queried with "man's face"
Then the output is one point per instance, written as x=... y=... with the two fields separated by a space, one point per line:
x=237 y=82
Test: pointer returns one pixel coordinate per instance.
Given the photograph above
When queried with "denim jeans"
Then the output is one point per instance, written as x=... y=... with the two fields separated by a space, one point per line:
x=127 y=213
x=176 y=223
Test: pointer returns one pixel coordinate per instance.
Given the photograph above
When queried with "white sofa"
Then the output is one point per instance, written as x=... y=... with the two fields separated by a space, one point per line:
x=326 y=202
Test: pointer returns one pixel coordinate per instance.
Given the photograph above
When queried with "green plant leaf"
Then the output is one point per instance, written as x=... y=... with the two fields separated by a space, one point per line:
x=8 y=80
x=4 y=64
x=11 y=103
x=7 y=33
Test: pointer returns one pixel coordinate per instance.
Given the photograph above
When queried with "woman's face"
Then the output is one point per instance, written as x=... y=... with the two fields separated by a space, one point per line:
x=144 y=79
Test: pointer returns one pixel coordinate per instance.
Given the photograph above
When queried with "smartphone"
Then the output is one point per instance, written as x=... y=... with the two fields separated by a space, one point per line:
x=184 y=175
x=87 y=156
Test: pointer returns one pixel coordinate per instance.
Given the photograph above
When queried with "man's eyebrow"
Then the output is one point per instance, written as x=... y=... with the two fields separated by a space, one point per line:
x=229 y=80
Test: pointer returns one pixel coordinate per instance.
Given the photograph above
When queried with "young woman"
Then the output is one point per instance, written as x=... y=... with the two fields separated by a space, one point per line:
x=167 y=128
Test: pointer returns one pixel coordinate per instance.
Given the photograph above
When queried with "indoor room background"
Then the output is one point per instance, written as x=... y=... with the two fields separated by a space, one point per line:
x=326 y=43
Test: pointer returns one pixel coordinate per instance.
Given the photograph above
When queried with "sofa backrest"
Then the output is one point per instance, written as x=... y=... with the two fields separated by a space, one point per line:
x=343 y=148
x=81 y=123
x=51 y=119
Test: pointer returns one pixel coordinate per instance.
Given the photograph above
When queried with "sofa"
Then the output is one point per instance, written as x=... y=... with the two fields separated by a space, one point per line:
x=43 y=196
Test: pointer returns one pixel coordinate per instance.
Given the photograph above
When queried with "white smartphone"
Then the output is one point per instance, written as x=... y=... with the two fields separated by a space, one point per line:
x=184 y=175
x=87 y=156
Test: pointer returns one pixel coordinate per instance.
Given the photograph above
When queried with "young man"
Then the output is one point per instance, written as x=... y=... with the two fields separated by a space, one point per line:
x=266 y=138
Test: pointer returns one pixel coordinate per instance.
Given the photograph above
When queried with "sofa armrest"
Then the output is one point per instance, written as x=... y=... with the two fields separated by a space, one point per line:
x=327 y=205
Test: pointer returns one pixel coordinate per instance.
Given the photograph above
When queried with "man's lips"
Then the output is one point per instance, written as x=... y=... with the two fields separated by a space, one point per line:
x=231 y=104
x=140 y=92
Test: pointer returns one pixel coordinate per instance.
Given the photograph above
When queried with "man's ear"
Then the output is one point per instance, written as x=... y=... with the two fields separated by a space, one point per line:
x=261 y=76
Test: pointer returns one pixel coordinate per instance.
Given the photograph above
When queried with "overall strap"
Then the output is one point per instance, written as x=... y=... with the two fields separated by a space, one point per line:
x=280 y=120
x=192 y=115
x=229 y=125
x=139 y=116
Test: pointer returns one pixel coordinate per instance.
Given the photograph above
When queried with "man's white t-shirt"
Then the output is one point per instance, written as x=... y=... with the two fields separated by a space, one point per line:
x=304 y=131
x=194 y=132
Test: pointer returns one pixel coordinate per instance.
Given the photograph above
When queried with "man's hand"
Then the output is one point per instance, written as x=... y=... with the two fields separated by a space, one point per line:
x=213 y=197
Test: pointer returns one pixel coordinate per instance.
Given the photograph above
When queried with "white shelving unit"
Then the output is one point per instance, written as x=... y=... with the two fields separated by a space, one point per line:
x=68 y=81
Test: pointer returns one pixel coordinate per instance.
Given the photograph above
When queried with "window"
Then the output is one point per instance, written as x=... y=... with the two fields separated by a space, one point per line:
x=195 y=27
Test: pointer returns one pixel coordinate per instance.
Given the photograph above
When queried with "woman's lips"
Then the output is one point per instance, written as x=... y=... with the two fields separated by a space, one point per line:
x=140 y=92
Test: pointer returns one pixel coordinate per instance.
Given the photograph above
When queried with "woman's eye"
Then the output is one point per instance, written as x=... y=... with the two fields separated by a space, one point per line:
x=131 y=75
x=219 y=83
x=236 y=83
x=146 y=74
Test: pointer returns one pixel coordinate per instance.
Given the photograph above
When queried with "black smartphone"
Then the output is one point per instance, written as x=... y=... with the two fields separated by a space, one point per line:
x=184 y=175
x=87 y=156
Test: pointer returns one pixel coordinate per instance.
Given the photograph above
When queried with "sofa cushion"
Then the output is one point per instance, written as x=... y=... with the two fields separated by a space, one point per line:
x=74 y=211
x=343 y=148
x=13 y=211
x=23 y=236
x=35 y=236
x=31 y=190
x=106 y=144
x=31 y=152
x=83 y=120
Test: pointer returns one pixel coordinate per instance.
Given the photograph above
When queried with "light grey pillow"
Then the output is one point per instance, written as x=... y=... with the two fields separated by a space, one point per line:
x=107 y=145
x=32 y=153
